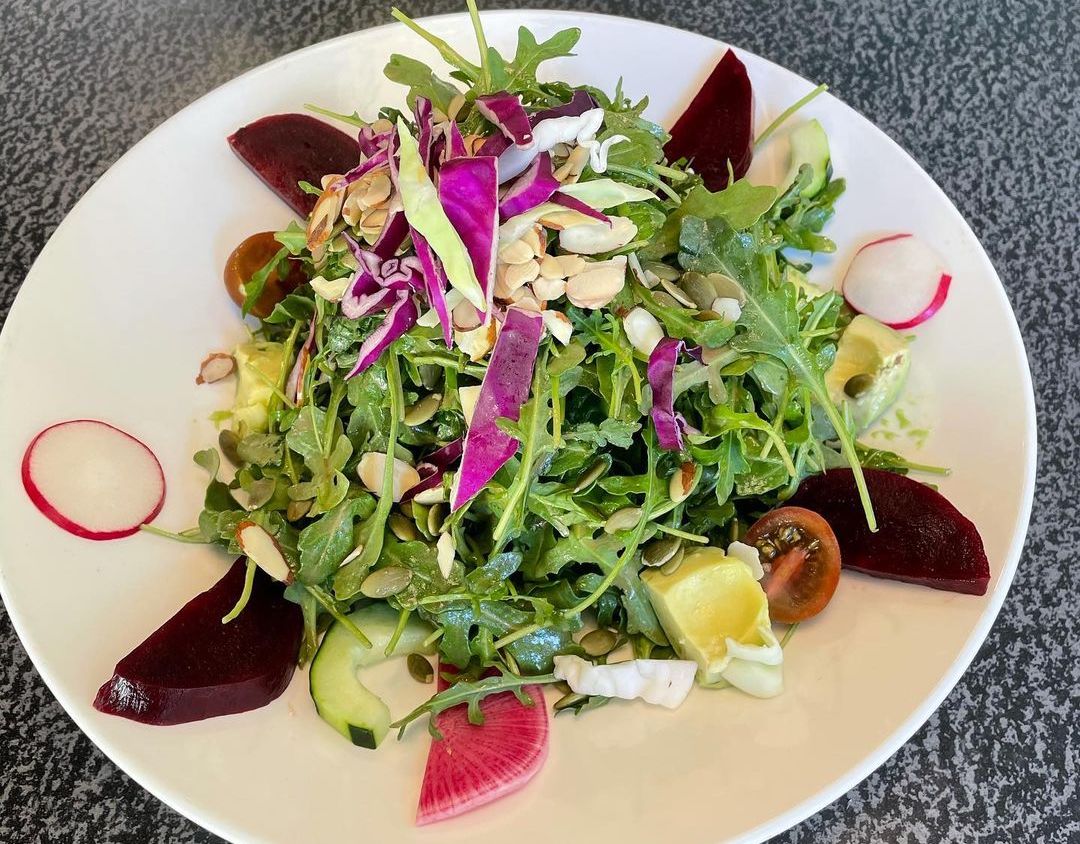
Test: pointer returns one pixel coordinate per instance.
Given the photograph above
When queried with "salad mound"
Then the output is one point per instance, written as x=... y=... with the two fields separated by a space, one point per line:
x=528 y=391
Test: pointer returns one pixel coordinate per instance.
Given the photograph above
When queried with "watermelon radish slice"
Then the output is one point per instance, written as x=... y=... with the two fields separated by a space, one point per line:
x=472 y=765
x=897 y=280
x=922 y=538
x=93 y=479
x=284 y=149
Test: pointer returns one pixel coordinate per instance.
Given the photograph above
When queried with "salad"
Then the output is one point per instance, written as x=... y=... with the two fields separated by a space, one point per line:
x=537 y=393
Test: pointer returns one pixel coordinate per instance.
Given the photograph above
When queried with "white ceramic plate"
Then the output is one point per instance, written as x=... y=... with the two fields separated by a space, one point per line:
x=126 y=299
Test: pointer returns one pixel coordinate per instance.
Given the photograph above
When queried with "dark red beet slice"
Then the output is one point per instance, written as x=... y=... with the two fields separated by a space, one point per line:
x=283 y=149
x=921 y=538
x=718 y=125
x=195 y=667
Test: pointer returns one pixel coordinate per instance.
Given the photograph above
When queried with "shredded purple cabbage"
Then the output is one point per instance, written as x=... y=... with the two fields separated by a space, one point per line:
x=661 y=373
x=581 y=102
x=534 y=186
x=504 y=390
x=575 y=204
x=469 y=194
x=399 y=319
x=508 y=115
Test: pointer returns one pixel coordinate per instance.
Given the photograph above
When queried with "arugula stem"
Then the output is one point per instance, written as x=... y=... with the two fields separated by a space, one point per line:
x=328 y=604
x=283 y=376
x=434 y=637
x=671 y=173
x=451 y=362
x=682 y=534
x=481 y=42
x=193 y=538
x=927 y=469
x=661 y=186
x=789 y=633
x=556 y=413
x=403 y=619
x=451 y=55
x=353 y=118
x=520 y=633
x=786 y=113
x=337 y=393
x=245 y=593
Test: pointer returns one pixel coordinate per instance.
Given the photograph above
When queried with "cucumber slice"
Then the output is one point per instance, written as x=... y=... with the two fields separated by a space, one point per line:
x=809 y=145
x=341 y=699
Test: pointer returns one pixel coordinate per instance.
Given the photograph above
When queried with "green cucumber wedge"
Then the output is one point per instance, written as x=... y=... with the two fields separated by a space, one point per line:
x=809 y=145
x=341 y=699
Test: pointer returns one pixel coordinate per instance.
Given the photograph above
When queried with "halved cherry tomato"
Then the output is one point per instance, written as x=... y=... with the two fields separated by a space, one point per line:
x=801 y=558
x=247 y=259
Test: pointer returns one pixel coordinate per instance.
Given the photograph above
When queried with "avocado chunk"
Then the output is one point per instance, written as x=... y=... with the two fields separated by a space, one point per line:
x=258 y=368
x=715 y=613
x=810 y=146
x=341 y=699
x=869 y=371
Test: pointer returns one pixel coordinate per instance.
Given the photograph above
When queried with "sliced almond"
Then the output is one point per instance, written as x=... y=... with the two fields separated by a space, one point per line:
x=477 y=342
x=594 y=237
x=559 y=325
x=549 y=289
x=574 y=165
x=523 y=299
x=373 y=220
x=329 y=179
x=642 y=330
x=377 y=189
x=682 y=483
x=468 y=397
x=598 y=285
x=444 y=549
x=571 y=265
x=382 y=126
x=531 y=239
x=217 y=366
x=370 y=471
x=565 y=218
x=464 y=316
x=331 y=291
x=517 y=252
x=550 y=268
x=727 y=307
x=323 y=217
x=423 y=410
x=677 y=294
x=510 y=277
x=262 y=549
x=457 y=102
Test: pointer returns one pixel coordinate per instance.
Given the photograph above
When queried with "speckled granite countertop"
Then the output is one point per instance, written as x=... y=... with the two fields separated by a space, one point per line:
x=984 y=94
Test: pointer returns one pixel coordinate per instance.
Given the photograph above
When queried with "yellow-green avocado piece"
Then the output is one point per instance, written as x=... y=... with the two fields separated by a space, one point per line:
x=716 y=614
x=869 y=371
x=258 y=368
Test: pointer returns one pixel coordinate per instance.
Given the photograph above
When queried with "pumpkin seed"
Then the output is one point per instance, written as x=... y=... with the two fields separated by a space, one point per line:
x=568 y=701
x=562 y=687
x=590 y=476
x=420 y=669
x=677 y=294
x=420 y=516
x=598 y=642
x=666 y=299
x=435 y=518
x=297 y=510
x=228 y=442
x=403 y=528
x=382 y=583
x=406 y=508
x=858 y=384
x=659 y=551
x=423 y=410
x=623 y=519
x=431 y=375
x=672 y=565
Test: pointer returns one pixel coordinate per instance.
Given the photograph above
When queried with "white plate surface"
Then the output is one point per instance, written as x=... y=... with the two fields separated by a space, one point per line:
x=124 y=302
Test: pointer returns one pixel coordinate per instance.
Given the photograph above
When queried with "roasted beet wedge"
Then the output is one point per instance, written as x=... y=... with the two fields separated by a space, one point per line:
x=718 y=125
x=284 y=149
x=921 y=539
x=195 y=667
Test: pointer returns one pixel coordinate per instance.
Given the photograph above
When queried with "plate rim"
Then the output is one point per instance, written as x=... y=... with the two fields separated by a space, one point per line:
x=871 y=761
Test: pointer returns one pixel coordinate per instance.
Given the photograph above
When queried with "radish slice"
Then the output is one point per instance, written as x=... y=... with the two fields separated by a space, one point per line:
x=472 y=765
x=897 y=280
x=92 y=479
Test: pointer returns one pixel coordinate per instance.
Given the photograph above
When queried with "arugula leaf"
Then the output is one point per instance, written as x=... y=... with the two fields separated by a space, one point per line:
x=680 y=322
x=741 y=204
x=421 y=81
x=518 y=76
x=261 y=449
x=614 y=432
x=770 y=322
x=422 y=560
x=324 y=543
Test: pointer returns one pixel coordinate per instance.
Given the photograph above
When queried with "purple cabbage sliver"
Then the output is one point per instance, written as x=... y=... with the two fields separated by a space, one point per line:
x=504 y=390
x=508 y=115
x=536 y=185
x=581 y=102
x=435 y=285
x=469 y=194
x=575 y=204
x=399 y=319
x=661 y=373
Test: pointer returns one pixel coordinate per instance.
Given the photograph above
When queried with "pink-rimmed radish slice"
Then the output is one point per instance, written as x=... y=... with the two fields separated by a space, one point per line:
x=92 y=479
x=898 y=280
x=474 y=764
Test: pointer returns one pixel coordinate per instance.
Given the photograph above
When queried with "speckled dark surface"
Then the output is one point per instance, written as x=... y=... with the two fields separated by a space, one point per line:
x=984 y=94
